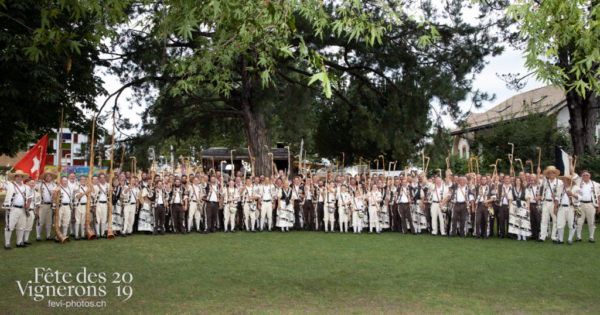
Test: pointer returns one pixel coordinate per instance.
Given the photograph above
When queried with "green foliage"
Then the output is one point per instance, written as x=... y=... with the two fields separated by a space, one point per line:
x=536 y=130
x=33 y=92
x=552 y=27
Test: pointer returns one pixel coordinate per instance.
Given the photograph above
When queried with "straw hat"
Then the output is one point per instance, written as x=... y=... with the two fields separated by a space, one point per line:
x=12 y=175
x=49 y=172
x=566 y=176
x=551 y=169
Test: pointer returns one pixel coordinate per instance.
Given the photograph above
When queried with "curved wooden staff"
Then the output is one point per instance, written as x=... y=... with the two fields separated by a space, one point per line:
x=383 y=164
x=376 y=164
x=521 y=162
x=232 y=166
x=574 y=165
x=539 y=168
x=495 y=172
x=289 y=161
x=59 y=235
x=439 y=171
x=512 y=169
x=395 y=164
x=529 y=162
x=426 y=165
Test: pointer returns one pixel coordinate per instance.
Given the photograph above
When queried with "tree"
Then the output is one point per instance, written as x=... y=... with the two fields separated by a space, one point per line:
x=563 y=48
x=34 y=91
x=536 y=130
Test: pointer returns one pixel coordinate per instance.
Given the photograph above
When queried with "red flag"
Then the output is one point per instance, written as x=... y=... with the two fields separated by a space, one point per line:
x=33 y=162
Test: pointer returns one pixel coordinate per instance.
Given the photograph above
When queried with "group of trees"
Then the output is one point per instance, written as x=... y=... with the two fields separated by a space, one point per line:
x=351 y=76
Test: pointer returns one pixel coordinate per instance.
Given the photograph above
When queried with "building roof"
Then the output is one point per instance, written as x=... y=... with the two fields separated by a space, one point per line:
x=220 y=153
x=547 y=100
x=6 y=160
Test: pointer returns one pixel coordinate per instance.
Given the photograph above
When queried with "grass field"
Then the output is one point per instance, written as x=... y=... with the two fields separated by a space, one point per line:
x=312 y=272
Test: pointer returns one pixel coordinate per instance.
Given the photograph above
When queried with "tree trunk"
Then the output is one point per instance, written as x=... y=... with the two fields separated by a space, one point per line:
x=576 y=124
x=583 y=116
x=256 y=134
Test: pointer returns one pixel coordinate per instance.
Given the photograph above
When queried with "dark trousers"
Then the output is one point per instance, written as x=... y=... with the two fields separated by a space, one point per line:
x=427 y=210
x=159 y=219
x=168 y=215
x=404 y=210
x=177 y=218
x=459 y=216
x=212 y=209
x=297 y=214
x=502 y=216
x=396 y=219
x=308 y=210
x=534 y=220
x=492 y=220
x=320 y=214
x=481 y=216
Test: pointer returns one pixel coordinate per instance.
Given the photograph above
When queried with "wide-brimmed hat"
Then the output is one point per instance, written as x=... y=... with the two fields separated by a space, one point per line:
x=12 y=175
x=551 y=169
x=566 y=176
x=49 y=172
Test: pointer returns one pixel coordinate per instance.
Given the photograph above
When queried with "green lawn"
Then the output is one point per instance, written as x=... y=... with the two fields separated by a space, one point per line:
x=302 y=272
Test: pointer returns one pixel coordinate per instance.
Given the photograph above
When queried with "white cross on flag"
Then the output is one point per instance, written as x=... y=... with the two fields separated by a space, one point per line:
x=33 y=162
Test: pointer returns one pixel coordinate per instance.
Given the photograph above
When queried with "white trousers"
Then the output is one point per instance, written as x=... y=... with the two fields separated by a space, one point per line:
x=373 y=219
x=266 y=213
x=437 y=218
x=44 y=220
x=328 y=216
x=101 y=217
x=229 y=215
x=194 y=215
x=128 y=218
x=589 y=213
x=249 y=217
x=547 y=213
x=565 y=215
x=16 y=220
x=356 y=221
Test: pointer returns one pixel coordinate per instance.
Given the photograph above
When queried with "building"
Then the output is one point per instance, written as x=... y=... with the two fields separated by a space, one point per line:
x=218 y=154
x=75 y=149
x=549 y=100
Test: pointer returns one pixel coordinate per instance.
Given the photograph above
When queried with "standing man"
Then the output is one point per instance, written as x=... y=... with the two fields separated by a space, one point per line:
x=267 y=195
x=161 y=199
x=101 y=190
x=298 y=198
x=550 y=187
x=196 y=193
x=81 y=195
x=15 y=204
x=230 y=198
x=73 y=185
x=505 y=197
x=249 y=200
x=178 y=198
x=534 y=198
x=462 y=199
x=130 y=206
x=439 y=197
x=212 y=196
x=65 y=195
x=403 y=202
x=44 y=211
x=483 y=198
x=567 y=199
x=590 y=201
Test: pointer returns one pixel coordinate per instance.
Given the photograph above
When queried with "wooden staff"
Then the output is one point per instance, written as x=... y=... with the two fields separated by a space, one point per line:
x=133 y=165
x=539 y=168
x=289 y=161
x=252 y=159
x=427 y=165
x=521 y=162
x=109 y=232
x=477 y=164
x=390 y=167
x=423 y=159
x=469 y=164
x=495 y=172
x=337 y=163
x=574 y=164
x=89 y=232
x=201 y=165
x=510 y=160
x=360 y=158
x=212 y=160
x=382 y=164
x=272 y=164
x=376 y=164
x=395 y=164
x=59 y=235
x=439 y=171
x=231 y=160
x=530 y=163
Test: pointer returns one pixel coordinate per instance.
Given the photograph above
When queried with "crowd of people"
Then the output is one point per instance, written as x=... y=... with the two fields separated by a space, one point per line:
x=523 y=206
